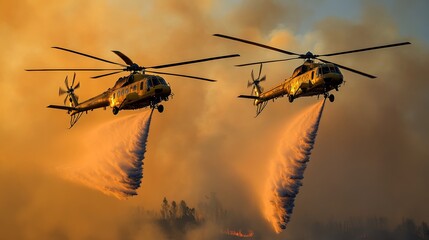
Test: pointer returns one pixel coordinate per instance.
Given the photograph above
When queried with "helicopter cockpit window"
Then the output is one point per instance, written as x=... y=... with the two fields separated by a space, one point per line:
x=337 y=70
x=141 y=85
x=135 y=88
x=332 y=69
x=319 y=71
x=155 y=81
x=162 y=81
x=325 y=70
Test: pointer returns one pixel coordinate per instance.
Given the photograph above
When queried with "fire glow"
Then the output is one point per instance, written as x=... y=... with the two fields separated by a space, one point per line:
x=239 y=233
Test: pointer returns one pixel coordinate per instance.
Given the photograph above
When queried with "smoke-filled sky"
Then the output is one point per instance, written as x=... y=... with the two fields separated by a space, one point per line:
x=371 y=156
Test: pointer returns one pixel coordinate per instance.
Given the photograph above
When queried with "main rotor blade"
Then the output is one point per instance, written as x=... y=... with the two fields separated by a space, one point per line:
x=181 y=75
x=350 y=69
x=126 y=59
x=90 y=56
x=107 y=74
x=366 y=49
x=270 y=61
x=256 y=44
x=77 y=85
x=71 y=69
x=194 y=61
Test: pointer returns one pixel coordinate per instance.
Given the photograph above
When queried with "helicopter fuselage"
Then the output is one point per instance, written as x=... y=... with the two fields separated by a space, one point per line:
x=130 y=92
x=139 y=92
x=309 y=79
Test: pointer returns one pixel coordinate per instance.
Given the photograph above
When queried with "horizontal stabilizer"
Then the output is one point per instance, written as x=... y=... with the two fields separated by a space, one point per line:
x=248 y=96
x=62 y=107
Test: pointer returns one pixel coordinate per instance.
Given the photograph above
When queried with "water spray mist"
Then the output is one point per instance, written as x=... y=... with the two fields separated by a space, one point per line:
x=288 y=167
x=113 y=163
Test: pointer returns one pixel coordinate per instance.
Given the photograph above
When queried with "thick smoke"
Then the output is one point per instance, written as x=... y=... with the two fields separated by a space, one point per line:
x=114 y=162
x=288 y=168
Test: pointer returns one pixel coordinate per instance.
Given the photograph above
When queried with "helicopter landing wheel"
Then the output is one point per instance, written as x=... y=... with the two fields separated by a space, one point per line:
x=331 y=98
x=115 y=110
x=160 y=108
x=290 y=98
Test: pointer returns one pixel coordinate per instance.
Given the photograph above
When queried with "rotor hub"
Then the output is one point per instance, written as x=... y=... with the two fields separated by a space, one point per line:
x=308 y=55
x=134 y=67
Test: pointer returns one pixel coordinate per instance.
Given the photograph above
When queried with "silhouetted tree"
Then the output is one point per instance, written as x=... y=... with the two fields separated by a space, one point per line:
x=407 y=230
x=173 y=210
x=177 y=219
x=165 y=208
x=423 y=231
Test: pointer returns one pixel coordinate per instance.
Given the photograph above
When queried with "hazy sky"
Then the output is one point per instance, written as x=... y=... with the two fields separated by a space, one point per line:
x=371 y=155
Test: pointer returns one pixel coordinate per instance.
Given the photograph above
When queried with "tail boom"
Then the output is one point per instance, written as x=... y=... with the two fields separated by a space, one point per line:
x=63 y=107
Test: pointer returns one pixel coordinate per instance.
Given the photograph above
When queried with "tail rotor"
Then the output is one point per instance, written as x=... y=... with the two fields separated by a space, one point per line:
x=259 y=102
x=71 y=96
x=257 y=89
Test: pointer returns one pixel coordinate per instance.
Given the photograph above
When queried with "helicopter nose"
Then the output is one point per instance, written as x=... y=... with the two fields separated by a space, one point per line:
x=165 y=90
x=338 y=79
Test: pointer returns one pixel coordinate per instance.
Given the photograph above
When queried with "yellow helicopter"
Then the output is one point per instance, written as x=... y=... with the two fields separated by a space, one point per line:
x=309 y=79
x=137 y=90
